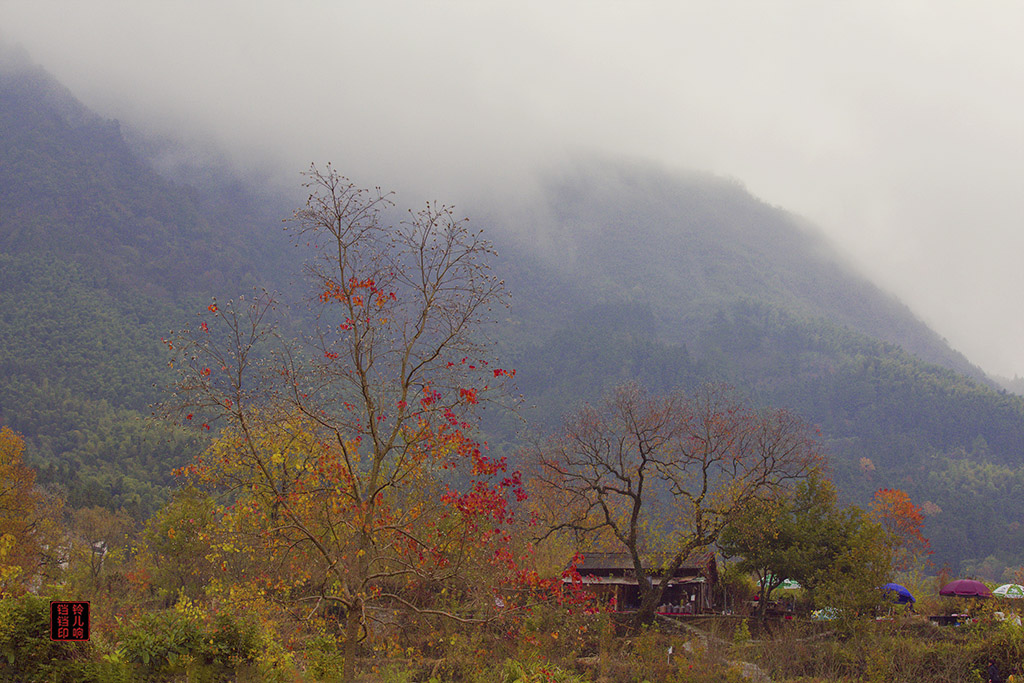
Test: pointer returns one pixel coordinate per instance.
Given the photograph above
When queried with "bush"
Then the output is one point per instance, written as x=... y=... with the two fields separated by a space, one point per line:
x=172 y=642
x=27 y=654
x=161 y=643
x=741 y=636
x=324 y=659
x=230 y=643
x=516 y=672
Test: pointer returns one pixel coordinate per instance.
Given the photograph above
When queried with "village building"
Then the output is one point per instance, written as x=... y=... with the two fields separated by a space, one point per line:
x=690 y=590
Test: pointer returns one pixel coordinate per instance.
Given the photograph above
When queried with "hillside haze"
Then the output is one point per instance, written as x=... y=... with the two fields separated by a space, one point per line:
x=686 y=244
x=100 y=258
x=628 y=271
x=619 y=270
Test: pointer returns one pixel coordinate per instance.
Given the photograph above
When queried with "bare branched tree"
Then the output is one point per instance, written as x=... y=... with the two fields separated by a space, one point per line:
x=663 y=476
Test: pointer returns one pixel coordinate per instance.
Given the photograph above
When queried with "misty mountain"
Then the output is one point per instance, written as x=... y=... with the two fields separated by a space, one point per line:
x=618 y=271
x=687 y=244
x=627 y=271
x=72 y=190
x=100 y=257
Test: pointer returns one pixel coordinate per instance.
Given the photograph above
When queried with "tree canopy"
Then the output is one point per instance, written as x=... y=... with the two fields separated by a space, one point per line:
x=665 y=474
x=803 y=535
x=352 y=477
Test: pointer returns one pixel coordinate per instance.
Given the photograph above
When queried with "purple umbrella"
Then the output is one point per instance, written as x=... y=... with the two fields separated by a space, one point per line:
x=966 y=588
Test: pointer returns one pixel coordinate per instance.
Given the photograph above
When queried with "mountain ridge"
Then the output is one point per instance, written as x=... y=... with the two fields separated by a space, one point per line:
x=679 y=280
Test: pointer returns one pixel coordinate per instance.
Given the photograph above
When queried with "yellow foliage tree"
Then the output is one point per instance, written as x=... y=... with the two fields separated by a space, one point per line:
x=29 y=542
x=351 y=483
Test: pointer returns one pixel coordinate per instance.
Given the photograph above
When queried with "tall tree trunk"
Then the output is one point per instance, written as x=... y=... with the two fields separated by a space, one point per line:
x=353 y=620
x=354 y=616
x=655 y=594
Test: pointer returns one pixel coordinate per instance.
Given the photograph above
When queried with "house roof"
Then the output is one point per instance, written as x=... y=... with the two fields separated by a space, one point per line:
x=591 y=580
x=593 y=562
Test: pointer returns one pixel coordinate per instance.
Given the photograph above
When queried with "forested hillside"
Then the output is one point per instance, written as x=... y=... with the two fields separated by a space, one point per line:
x=71 y=190
x=619 y=271
x=675 y=280
x=687 y=244
x=100 y=258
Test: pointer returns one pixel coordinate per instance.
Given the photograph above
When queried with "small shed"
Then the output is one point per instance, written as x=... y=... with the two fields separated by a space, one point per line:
x=689 y=590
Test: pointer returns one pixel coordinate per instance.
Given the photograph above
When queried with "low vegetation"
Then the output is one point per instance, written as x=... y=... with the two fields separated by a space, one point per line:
x=208 y=641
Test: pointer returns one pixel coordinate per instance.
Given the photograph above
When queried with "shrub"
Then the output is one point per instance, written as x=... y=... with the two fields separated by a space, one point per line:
x=160 y=643
x=517 y=672
x=324 y=659
x=171 y=642
x=27 y=654
x=231 y=642
x=742 y=634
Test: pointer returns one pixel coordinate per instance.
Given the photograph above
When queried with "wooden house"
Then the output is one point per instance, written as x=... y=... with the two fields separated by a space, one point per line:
x=689 y=591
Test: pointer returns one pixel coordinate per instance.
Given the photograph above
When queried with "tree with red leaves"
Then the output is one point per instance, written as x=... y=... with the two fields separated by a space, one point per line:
x=354 y=482
x=903 y=521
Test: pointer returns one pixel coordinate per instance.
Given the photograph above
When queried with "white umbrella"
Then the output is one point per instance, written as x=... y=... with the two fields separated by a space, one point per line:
x=1009 y=590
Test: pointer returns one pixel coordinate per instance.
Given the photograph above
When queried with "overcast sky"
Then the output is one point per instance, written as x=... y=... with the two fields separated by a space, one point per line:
x=897 y=126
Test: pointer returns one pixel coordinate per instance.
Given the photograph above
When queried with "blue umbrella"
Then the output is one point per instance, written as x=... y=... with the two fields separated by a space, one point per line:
x=903 y=596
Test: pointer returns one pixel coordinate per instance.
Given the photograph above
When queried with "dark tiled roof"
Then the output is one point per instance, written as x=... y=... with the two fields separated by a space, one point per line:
x=621 y=561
